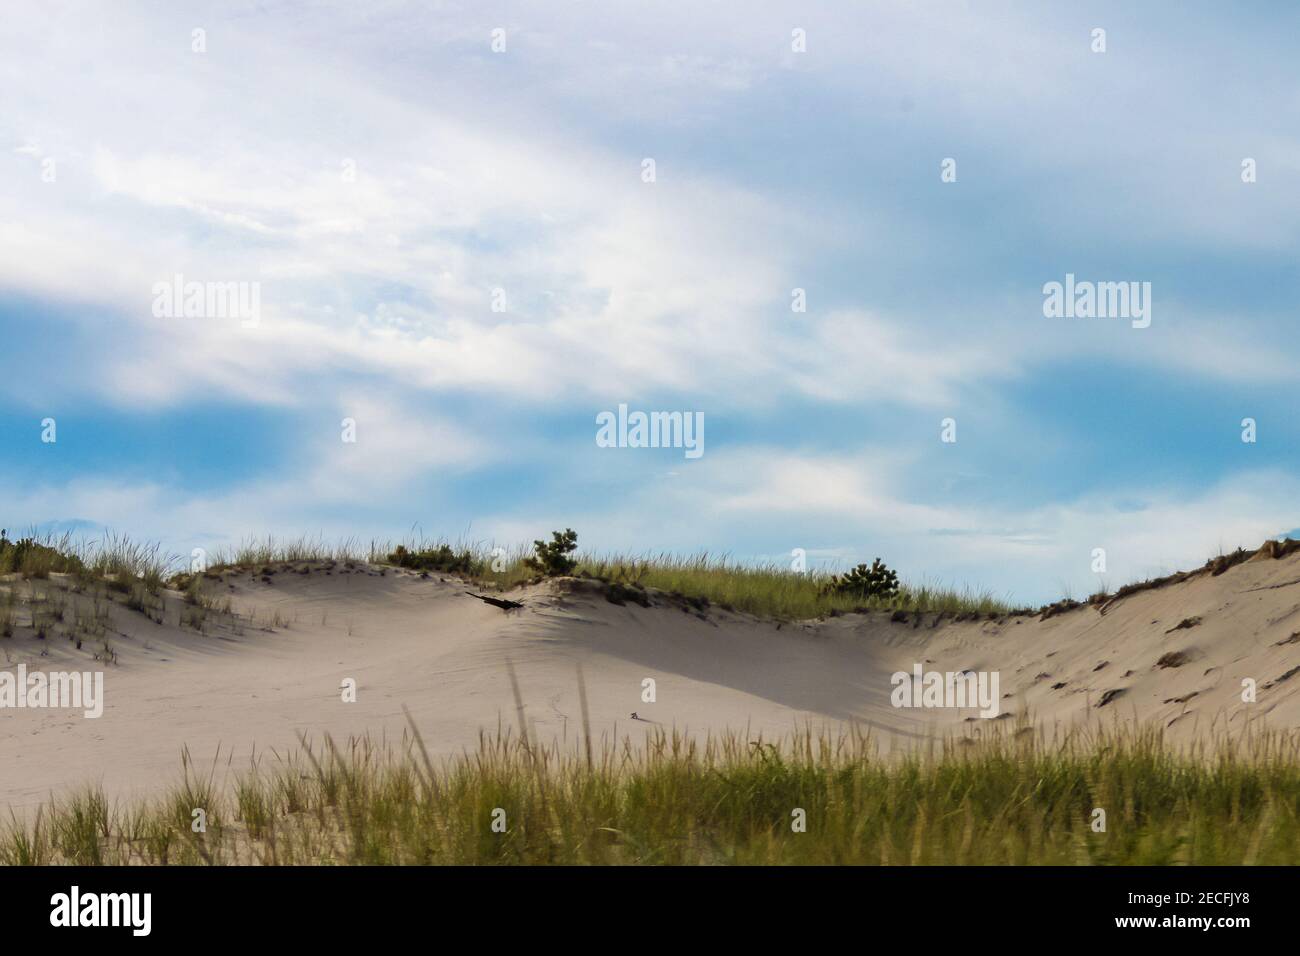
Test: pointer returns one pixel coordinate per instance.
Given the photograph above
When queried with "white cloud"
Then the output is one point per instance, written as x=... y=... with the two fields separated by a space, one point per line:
x=612 y=283
x=765 y=501
x=230 y=165
x=475 y=172
x=392 y=446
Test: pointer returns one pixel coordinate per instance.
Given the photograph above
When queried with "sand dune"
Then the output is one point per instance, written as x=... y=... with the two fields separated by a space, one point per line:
x=247 y=686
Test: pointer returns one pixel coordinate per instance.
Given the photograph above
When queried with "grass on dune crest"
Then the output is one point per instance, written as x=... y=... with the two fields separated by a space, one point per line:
x=255 y=552
x=775 y=591
x=771 y=591
x=1015 y=798
x=118 y=560
x=764 y=590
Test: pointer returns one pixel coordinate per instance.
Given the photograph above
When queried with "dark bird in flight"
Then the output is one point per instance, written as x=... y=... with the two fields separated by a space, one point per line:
x=497 y=602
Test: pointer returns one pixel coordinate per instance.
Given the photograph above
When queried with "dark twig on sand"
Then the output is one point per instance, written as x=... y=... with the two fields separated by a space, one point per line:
x=497 y=602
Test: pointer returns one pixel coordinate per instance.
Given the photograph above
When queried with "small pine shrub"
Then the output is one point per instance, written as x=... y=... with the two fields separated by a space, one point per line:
x=553 y=559
x=866 y=583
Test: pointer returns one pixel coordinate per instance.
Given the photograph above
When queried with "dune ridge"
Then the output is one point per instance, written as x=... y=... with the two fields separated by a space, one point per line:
x=1172 y=654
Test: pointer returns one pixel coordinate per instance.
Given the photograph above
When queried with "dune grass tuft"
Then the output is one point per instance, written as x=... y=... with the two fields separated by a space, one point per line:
x=1014 y=798
x=775 y=591
x=33 y=557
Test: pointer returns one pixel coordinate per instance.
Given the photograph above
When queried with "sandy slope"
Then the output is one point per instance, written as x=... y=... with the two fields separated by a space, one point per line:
x=245 y=688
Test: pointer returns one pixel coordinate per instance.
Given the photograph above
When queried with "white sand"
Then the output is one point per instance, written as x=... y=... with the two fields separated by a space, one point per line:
x=425 y=644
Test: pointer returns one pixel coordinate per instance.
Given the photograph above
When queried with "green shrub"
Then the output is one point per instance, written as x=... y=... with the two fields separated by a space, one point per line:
x=441 y=558
x=553 y=559
x=866 y=583
x=35 y=559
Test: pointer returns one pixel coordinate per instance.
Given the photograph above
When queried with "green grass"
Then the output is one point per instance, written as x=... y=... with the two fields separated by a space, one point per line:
x=33 y=557
x=776 y=591
x=117 y=559
x=134 y=574
x=260 y=552
x=764 y=590
x=1014 y=799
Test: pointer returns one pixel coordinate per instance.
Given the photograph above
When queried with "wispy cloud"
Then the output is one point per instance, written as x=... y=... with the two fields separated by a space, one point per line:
x=458 y=248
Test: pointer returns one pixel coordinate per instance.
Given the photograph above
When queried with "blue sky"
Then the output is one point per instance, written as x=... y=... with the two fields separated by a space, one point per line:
x=379 y=172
